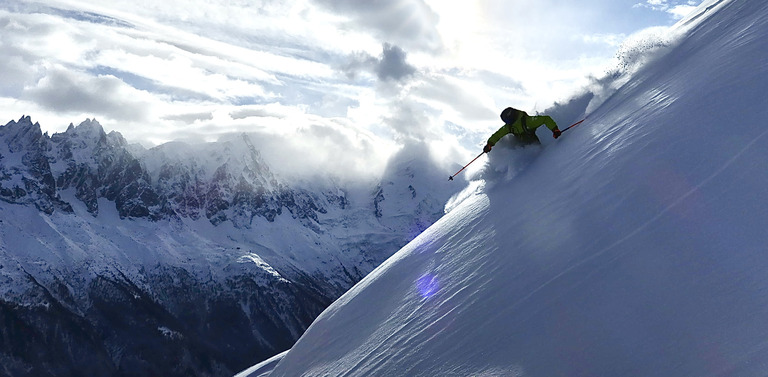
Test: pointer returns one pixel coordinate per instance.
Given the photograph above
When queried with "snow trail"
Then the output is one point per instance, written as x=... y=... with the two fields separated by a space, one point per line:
x=644 y=225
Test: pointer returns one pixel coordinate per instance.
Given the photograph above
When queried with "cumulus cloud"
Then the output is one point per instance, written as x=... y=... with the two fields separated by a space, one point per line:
x=390 y=65
x=66 y=91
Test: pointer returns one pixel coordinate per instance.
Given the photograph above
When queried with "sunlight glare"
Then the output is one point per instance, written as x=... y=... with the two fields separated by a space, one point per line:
x=459 y=24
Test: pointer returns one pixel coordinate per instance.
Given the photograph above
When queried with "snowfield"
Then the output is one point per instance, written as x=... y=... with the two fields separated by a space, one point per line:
x=635 y=245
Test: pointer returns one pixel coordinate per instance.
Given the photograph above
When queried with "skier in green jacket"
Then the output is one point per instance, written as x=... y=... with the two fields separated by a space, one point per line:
x=523 y=126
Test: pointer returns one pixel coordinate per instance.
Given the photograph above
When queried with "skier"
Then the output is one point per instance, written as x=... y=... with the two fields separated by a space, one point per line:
x=523 y=126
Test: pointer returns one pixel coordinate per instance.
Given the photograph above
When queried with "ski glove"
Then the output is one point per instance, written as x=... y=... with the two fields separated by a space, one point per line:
x=556 y=133
x=487 y=148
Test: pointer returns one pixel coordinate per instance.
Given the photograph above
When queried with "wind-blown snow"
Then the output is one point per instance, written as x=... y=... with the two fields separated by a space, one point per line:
x=635 y=245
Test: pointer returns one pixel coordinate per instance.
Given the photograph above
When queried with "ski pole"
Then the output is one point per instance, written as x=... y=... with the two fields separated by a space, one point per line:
x=465 y=166
x=573 y=125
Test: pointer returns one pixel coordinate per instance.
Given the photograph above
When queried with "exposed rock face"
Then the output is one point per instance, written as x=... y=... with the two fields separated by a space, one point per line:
x=25 y=174
x=98 y=165
x=36 y=167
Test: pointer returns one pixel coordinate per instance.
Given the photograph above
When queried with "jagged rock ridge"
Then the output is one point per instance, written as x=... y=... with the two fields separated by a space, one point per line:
x=237 y=188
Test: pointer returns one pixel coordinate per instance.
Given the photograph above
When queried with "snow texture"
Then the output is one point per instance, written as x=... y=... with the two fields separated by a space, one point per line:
x=635 y=245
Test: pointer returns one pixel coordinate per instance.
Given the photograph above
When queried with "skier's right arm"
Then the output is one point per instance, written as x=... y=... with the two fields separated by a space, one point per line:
x=503 y=131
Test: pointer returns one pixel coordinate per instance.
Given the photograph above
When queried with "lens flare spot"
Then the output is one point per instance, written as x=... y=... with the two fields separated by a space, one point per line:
x=428 y=285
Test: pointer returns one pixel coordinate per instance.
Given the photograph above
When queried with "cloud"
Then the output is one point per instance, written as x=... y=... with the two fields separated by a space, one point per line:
x=42 y=66
x=410 y=120
x=497 y=80
x=190 y=117
x=390 y=65
x=19 y=65
x=162 y=60
x=613 y=40
x=462 y=94
x=183 y=73
x=66 y=91
x=409 y=23
x=324 y=148
x=678 y=9
x=15 y=70
x=347 y=76
x=73 y=62
x=29 y=7
x=250 y=112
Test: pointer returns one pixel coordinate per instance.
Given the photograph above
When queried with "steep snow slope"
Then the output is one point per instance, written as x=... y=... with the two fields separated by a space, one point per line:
x=635 y=245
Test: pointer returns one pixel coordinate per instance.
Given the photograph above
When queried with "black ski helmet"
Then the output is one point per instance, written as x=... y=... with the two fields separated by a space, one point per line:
x=510 y=115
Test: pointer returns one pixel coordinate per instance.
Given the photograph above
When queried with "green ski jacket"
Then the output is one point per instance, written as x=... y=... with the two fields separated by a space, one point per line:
x=523 y=128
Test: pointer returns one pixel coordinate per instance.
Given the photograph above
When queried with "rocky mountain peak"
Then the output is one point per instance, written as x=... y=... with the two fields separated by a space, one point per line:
x=22 y=135
x=25 y=172
x=222 y=181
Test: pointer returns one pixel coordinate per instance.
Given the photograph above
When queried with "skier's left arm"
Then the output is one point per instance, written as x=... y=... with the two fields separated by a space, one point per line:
x=546 y=120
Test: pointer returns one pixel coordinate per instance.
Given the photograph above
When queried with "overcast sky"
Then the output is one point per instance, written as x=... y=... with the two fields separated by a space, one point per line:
x=343 y=80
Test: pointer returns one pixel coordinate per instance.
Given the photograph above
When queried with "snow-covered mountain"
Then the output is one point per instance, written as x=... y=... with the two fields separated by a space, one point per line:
x=634 y=245
x=181 y=259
